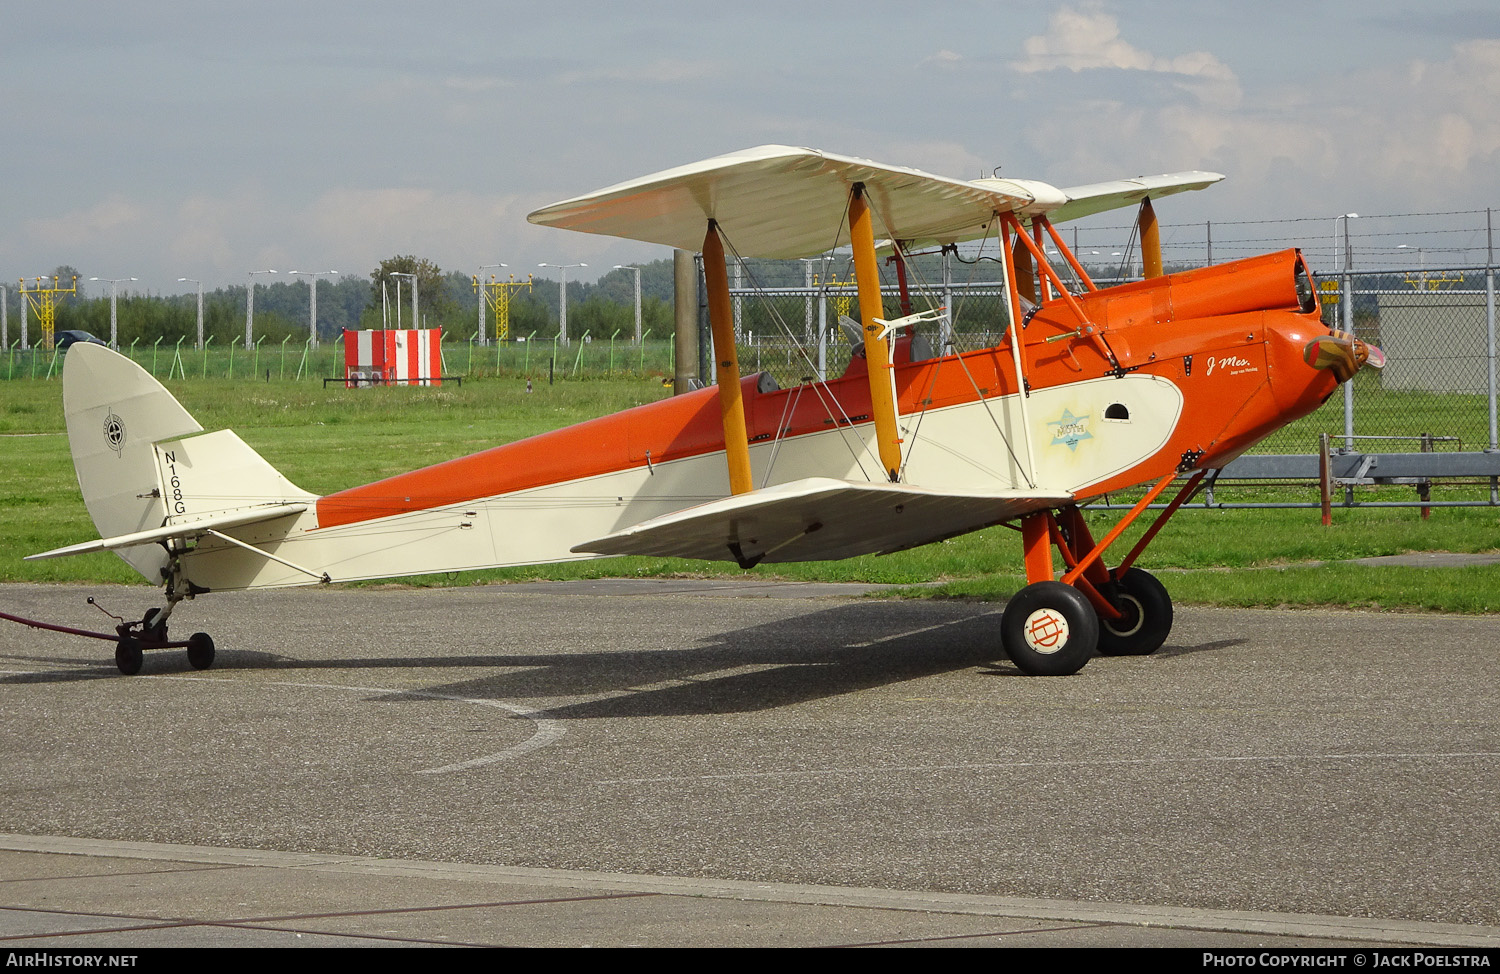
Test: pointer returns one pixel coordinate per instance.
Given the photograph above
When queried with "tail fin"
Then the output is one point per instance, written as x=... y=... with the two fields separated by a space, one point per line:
x=139 y=464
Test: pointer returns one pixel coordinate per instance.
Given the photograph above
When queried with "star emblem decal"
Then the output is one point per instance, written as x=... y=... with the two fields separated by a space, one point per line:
x=1070 y=429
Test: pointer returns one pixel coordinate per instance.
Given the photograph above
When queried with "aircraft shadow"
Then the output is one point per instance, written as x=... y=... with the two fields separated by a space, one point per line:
x=812 y=656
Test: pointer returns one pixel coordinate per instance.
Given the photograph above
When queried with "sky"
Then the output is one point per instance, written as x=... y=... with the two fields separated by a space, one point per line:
x=204 y=140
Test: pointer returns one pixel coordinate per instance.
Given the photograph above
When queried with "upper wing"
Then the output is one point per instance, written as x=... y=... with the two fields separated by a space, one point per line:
x=1097 y=197
x=820 y=518
x=780 y=201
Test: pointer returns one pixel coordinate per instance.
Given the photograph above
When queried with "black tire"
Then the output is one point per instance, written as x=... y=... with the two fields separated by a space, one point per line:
x=128 y=656
x=1147 y=620
x=200 y=650
x=1049 y=629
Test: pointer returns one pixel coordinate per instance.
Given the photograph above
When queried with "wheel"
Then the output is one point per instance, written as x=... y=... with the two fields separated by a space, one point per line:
x=1147 y=617
x=200 y=650
x=128 y=656
x=1049 y=629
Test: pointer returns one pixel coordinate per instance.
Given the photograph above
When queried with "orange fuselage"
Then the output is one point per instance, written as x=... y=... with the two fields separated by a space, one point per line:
x=1230 y=338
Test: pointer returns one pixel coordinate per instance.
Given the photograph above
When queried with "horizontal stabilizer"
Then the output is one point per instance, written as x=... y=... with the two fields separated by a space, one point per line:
x=818 y=519
x=184 y=531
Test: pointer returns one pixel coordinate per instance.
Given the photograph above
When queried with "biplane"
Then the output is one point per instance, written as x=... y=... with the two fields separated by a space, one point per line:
x=1088 y=390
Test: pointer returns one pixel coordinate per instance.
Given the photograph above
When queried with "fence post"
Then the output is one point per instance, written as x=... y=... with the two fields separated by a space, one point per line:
x=1348 y=300
x=823 y=334
x=1325 y=479
x=579 y=360
x=1489 y=317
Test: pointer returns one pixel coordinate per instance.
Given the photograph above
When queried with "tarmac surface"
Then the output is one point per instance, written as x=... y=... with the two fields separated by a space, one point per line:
x=690 y=763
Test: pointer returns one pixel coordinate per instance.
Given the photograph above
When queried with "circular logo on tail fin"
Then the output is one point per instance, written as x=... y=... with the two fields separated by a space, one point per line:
x=114 y=432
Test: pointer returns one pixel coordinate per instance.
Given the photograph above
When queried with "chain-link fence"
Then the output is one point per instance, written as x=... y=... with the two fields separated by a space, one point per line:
x=1437 y=391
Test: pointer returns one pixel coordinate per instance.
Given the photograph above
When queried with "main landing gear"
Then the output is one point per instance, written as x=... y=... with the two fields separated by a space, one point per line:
x=1053 y=627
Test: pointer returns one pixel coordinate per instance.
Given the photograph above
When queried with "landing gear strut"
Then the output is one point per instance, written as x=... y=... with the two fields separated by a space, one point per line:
x=1053 y=627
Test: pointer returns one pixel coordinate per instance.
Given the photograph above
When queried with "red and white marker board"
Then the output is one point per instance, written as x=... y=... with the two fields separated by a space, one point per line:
x=399 y=357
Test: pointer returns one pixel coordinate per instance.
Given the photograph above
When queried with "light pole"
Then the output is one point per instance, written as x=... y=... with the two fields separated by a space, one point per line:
x=1346 y=217
x=1421 y=263
x=562 y=308
x=628 y=267
x=114 y=321
x=250 y=308
x=193 y=280
x=480 y=281
x=1347 y=298
x=807 y=299
x=415 y=321
x=312 y=314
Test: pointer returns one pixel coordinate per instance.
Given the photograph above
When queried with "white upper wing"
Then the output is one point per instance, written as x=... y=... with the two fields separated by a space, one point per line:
x=778 y=201
x=781 y=201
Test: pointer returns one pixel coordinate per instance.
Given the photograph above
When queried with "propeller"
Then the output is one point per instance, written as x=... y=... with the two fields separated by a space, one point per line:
x=1343 y=353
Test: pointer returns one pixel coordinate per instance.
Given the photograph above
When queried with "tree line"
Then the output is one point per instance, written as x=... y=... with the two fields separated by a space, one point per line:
x=446 y=300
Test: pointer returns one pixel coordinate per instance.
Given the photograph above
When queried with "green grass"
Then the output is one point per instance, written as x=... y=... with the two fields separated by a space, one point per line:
x=286 y=363
x=325 y=440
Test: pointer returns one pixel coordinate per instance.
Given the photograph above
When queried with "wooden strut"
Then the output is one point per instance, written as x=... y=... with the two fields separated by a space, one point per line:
x=726 y=362
x=877 y=350
x=1150 y=240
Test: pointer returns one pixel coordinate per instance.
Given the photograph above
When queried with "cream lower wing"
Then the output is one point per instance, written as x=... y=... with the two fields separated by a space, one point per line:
x=818 y=519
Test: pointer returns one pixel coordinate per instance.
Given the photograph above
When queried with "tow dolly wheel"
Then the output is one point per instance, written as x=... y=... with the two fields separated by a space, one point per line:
x=1049 y=629
x=128 y=656
x=1146 y=619
x=200 y=649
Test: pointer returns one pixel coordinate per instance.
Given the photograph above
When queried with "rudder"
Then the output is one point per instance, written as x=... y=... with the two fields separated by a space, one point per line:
x=116 y=412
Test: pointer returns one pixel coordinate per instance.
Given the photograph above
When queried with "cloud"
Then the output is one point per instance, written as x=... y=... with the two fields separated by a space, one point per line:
x=661 y=71
x=105 y=218
x=1089 y=40
x=1413 y=136
x=474 y=84
x=942 y=59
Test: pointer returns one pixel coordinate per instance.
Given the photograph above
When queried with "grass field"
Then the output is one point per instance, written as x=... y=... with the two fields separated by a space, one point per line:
x=293 y=361
x=325 y=440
